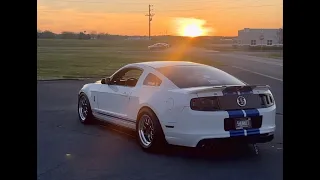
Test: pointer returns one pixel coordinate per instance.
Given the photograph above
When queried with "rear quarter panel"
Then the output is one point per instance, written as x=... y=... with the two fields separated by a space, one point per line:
x=163 y=100
x=166 y=104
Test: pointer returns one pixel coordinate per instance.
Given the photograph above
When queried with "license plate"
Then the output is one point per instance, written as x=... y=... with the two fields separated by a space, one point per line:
x=243 y=123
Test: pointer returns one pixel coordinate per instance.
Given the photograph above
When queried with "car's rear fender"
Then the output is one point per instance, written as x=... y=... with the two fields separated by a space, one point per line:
x=163 y=103
x=168 y=108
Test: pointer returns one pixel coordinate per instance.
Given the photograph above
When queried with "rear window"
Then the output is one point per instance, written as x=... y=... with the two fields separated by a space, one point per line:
x=197 y=75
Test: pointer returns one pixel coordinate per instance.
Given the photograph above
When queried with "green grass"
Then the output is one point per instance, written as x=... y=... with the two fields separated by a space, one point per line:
x=278 y=55
x=109 y=44
x=98 y=58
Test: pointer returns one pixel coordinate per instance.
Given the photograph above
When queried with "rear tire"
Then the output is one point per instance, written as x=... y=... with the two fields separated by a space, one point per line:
x=149 y=132
x=84 y=110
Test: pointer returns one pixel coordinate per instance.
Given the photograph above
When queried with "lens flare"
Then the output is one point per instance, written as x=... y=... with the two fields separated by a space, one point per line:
x=191 y=27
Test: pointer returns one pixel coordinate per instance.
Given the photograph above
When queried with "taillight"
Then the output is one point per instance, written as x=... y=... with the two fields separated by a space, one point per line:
x=204 y=104
x=266 y=100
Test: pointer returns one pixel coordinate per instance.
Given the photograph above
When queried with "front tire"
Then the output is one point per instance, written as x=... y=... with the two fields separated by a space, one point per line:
x=149 y=132
x=84 y=110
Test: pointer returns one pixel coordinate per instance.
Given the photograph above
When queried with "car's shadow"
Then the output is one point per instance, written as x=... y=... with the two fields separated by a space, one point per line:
x=227 y=152
x=221 y=153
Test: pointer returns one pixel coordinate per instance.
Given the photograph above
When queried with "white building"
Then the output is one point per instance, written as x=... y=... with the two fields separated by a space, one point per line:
x=259 y=37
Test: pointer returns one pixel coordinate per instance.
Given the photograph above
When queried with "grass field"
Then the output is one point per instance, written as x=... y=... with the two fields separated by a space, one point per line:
x=98 y=58
x=278 y=55
x=273 y=55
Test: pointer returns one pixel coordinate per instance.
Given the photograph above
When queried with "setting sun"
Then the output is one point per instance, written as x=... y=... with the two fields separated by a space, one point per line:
x=192 y=30
x=191 y=27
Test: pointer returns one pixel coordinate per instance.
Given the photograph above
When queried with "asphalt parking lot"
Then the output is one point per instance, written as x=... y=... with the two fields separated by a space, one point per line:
x=69 y=150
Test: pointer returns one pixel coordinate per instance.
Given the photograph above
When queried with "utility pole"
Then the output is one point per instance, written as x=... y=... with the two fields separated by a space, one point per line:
x=150 y=15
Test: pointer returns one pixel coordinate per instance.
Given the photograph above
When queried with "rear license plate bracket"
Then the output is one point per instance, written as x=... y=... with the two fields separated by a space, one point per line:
x=243 y=123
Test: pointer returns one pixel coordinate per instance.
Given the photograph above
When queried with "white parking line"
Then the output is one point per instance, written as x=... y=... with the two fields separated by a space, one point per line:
x=258 y=73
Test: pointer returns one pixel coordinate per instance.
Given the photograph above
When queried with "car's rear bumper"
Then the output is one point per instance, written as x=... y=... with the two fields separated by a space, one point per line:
x=261 y=135
x=191 y=128
x=260 y=138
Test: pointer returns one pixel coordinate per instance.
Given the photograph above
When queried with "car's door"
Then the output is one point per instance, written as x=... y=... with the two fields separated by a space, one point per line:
x=113 y=98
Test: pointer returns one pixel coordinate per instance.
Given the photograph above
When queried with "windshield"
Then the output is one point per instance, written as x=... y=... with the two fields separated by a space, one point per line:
x=198 y=75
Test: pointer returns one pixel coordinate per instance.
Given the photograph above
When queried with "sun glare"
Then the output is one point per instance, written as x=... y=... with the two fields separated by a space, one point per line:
x=192 y=30
x=191 y=27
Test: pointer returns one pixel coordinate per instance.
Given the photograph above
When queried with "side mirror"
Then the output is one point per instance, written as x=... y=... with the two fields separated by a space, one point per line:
x=108 y=80
x=105 y=81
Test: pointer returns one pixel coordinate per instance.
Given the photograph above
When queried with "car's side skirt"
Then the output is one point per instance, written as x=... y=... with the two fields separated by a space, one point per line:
x=113 y=119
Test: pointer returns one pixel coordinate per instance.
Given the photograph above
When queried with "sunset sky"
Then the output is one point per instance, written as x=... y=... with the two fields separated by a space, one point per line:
x=127 y=17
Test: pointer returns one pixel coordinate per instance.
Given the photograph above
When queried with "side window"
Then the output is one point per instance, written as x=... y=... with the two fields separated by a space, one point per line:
x=133 y=73
x=127 y=77
x=152 y=80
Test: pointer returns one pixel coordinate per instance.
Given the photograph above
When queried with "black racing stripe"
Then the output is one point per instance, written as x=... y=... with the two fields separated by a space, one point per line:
x=118 y=117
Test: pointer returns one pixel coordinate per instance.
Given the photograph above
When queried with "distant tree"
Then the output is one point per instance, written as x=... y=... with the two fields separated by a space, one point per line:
x=82 y=35
x=47 y=35
x=102 y=36
x=68 y=35
x=39 y=33
x=94 y=34
x=88 y=36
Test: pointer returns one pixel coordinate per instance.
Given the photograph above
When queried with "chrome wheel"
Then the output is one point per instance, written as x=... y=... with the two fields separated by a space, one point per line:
x=83 y=108
x=146 y=130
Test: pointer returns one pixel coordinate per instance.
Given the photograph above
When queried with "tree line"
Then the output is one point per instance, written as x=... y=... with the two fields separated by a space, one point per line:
x=72 y=35
x=94 y=35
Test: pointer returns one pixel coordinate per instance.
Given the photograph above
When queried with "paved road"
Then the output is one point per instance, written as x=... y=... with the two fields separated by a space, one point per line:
x=69 y=150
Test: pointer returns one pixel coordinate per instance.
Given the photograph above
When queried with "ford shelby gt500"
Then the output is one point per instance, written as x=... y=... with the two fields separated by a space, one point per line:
x=180 y=103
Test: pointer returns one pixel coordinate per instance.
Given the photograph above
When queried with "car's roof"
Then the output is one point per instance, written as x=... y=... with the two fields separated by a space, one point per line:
x=160 y=64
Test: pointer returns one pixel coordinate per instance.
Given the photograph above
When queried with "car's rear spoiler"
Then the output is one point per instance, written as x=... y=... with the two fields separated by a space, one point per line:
x=228 y=89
